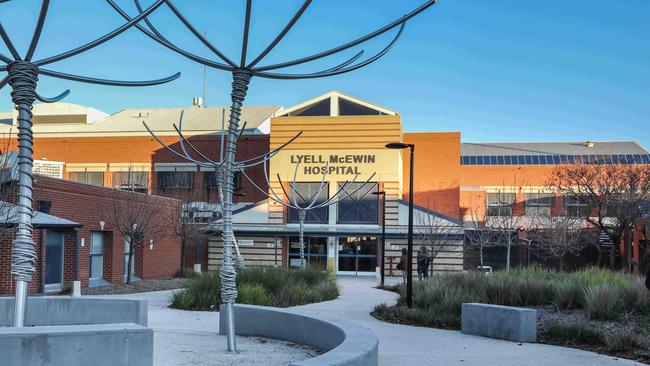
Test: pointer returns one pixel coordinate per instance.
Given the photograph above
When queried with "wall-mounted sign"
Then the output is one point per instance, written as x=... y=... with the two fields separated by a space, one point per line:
x=245 y=242
x=338 y=164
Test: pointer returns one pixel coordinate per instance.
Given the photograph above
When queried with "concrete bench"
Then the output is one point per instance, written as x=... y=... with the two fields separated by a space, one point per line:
x=76 y=332
x=501 y=322
x=346 y=344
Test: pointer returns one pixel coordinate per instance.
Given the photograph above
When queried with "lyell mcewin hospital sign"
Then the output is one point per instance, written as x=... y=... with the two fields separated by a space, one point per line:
x=338 y=164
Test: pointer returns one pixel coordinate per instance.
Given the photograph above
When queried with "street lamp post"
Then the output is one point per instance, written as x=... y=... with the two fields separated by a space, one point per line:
x=383 y=235
x=409 y=264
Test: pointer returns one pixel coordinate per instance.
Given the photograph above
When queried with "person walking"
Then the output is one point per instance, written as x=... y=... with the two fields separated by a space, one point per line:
x=423 y=263
x=401 y=265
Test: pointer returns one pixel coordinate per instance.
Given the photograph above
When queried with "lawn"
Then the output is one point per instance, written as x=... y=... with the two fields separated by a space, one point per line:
x=266 y=286
x=592 y=309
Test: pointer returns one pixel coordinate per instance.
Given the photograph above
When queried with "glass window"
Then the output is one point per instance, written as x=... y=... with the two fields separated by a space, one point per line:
x=500 y=204
x=630 y=159
x=556 y=159
x=529 y=159
x=96 y=254
x=305 y=192
x=538 y=204
x=508 y=160
x=175 y=179
x=472 y=160
x=622 y=158
x=464 y=160
x=315 y=252
x=637 y=159
x=500 y=160
x=572 y=159
x=615 y=159
x=359 y=206
x=576 y=206
x=93 y=178
x=493 y=160
x=131 y=181
x=479 y=160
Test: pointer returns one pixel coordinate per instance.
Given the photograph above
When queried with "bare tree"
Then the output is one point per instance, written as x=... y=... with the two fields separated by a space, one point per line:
x=137 y=216
x=190 y=218
x=560 y=236
x=613 y=194
x=435 y=233
x=504 y=222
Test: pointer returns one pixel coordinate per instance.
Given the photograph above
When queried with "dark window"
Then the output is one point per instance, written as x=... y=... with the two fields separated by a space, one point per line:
x=646 y=159
x=305 y=192
x=615 y=159
x=576 y=206
x=359 y=205
x=607 y=159
x=347 y=108
x=538 y=204
x=623 y=159
x=175 y=179
x=630 y=159
x=479 y=160
x=472 y=160
x=493 y=160
x=572 y=159
x=500 y=204
x=500 y=160
x=529 y=159
x=637 y=159
x=556 y=159
x=321 y=108
x=131 y=181
x=465 y=160
x=210 y=180
x=507 y=160
x=521 y=159
x=94 y=178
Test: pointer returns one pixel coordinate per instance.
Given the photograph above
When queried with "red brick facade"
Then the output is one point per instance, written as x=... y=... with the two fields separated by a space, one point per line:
x=88 y=205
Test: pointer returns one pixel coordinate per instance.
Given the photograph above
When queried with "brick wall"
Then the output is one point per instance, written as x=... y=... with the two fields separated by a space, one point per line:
x=436 y=171
x=89 y=206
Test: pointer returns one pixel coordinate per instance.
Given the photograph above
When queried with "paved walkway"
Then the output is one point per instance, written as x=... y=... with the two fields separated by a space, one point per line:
x=399 y=345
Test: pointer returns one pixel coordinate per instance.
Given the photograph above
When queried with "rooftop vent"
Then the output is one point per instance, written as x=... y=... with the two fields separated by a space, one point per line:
x=590 y=143
x=197 y=102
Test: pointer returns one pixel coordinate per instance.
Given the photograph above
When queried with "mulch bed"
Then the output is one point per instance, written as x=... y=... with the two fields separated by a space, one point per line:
x=138 y=287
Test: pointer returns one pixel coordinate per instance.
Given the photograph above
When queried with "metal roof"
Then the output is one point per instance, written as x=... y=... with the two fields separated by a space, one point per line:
x=9 y=215
x=128 y=122
x=551 y=148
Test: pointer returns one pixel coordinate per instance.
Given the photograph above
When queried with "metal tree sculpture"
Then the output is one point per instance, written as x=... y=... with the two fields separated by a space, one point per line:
x=22 y=77
x=242 y=73
x=219 y=166
x=297 y=201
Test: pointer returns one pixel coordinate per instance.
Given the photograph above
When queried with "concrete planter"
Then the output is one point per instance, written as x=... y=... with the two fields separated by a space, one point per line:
x=77 y=331
x=346 y=344
x=501 y=322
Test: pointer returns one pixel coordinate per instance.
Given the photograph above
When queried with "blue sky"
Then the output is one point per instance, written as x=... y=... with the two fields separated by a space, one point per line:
x=508 y=70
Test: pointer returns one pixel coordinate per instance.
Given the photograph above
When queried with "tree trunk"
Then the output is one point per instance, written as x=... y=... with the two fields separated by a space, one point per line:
x=508 y=256
x=128 y=268
x=480 y=250
x=183 y=254
x=561 y=263
x=627 y=249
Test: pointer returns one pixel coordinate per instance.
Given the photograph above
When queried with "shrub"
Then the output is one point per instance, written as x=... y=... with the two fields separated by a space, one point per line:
x=267 y=286
x=604 y=302
x=574 y=333
x=569 y=294
x=254 y=294
x=623 y=341
x=186 y=273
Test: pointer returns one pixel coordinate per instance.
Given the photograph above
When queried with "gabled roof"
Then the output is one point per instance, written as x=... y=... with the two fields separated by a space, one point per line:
x=9 y=215
x=333 y=105
x=551 y=148
x=128 y=122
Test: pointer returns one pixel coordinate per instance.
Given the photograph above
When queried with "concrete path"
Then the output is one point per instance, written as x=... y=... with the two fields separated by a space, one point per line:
x=399 y=345
x=402 y=345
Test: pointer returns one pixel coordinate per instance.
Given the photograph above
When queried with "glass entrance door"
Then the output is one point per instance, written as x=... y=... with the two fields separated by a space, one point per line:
x=357 y=255
x=54 y=258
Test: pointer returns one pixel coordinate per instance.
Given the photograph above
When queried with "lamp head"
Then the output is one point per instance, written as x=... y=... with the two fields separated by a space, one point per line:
x=397 y=145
